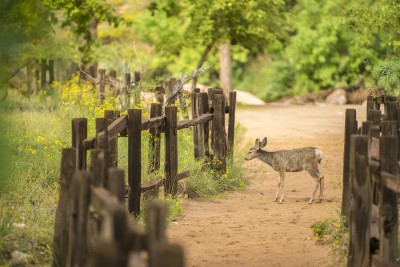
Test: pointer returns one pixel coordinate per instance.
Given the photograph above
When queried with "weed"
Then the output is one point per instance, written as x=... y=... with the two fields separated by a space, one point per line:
x=332 y=231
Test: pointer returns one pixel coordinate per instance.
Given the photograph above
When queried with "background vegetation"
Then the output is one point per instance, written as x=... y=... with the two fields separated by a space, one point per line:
x=278 y=47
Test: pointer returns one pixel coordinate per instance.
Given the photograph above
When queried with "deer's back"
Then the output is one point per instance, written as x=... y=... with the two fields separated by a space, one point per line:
x=297 y=159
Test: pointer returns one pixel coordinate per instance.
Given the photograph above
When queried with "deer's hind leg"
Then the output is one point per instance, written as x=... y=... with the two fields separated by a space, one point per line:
x=319 y=182
x=321 y=186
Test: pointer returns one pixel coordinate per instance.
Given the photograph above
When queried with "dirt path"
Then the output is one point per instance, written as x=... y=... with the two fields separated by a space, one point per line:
x=248 y=228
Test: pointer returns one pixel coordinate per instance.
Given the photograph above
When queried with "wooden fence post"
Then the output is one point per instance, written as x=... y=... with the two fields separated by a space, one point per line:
x=37 y=73
x=371 y=105
x=389 y=128
x=93 y=70
x=29 y=77
x=77 y=217
x=393 y=114
x=97 y=167
x=171 y=151
x=156 y=224
x=134 y=160
x=195 y=110
x=160 y=92
x=388 y=223
x=113 y=73
x=392 y=110
x=102 y=85
x=350 y=128
x=366 y=127
x=43 y=68
x=219 y=131
x=68 y=162
x=210 y=92
x=112 y=115
x=206 y=128
x=128 y=88
x=79 y=133
x=154 y=142
x=116 y=183
x=360 y=207
x=73 y=70
x=137 y=78
x=374 y=116
x=200 y=127
x=231 y=122
x=51 y=71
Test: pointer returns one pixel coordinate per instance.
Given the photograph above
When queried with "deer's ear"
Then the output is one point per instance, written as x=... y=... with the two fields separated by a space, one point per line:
x=263 y=142
x=257 y=143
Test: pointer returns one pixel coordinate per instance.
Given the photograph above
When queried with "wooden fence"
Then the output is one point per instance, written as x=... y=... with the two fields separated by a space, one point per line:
x=41 y=73
x=205 y=117
x=93 y=226
x=371 y=183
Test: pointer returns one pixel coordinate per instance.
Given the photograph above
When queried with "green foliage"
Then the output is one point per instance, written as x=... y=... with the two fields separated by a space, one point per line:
x=387 y=76
x=188 y=31
x=82 y=18
x=332 y=231
x=22 y=22
x=269 y=80
x=375 y=23
x=330 y=44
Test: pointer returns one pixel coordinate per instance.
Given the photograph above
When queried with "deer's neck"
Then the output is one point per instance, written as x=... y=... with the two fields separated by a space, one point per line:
x=266 y=157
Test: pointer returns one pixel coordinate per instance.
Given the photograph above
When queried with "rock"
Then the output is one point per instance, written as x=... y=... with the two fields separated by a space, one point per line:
x=247 y=98
x=19 y=258
x=337 y=97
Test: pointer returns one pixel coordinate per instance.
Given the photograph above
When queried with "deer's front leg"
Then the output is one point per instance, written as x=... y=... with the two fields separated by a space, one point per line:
x=281 y=185
x=277 y=189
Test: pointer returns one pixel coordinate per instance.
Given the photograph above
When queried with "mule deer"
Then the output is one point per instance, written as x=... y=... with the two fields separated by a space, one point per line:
x=295 y=160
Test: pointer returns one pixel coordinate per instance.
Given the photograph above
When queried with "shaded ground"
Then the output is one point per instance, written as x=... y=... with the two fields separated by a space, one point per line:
x=248 y=228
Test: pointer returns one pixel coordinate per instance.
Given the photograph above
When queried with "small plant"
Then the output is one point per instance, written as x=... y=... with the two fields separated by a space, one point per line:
x=332 y=231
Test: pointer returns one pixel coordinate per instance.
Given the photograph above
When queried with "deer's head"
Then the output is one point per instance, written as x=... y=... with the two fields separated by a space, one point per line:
x=253 y=152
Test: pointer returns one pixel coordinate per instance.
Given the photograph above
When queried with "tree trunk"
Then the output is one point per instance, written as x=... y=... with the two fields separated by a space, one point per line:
x=225 y=72
x=201 y=62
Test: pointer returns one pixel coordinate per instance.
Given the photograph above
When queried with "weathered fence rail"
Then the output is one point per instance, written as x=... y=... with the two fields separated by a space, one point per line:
x=371 y=184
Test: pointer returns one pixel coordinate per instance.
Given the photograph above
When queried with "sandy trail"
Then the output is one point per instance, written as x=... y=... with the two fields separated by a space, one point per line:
x=248 y=228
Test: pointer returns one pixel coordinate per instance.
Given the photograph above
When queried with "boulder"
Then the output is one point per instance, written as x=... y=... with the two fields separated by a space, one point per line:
x=337 y=97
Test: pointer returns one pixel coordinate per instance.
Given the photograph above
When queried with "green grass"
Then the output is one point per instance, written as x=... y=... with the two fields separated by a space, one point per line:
x=37 y=129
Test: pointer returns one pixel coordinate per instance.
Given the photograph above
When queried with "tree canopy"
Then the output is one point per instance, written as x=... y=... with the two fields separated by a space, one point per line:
x=278 y=47
x=204 y=25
